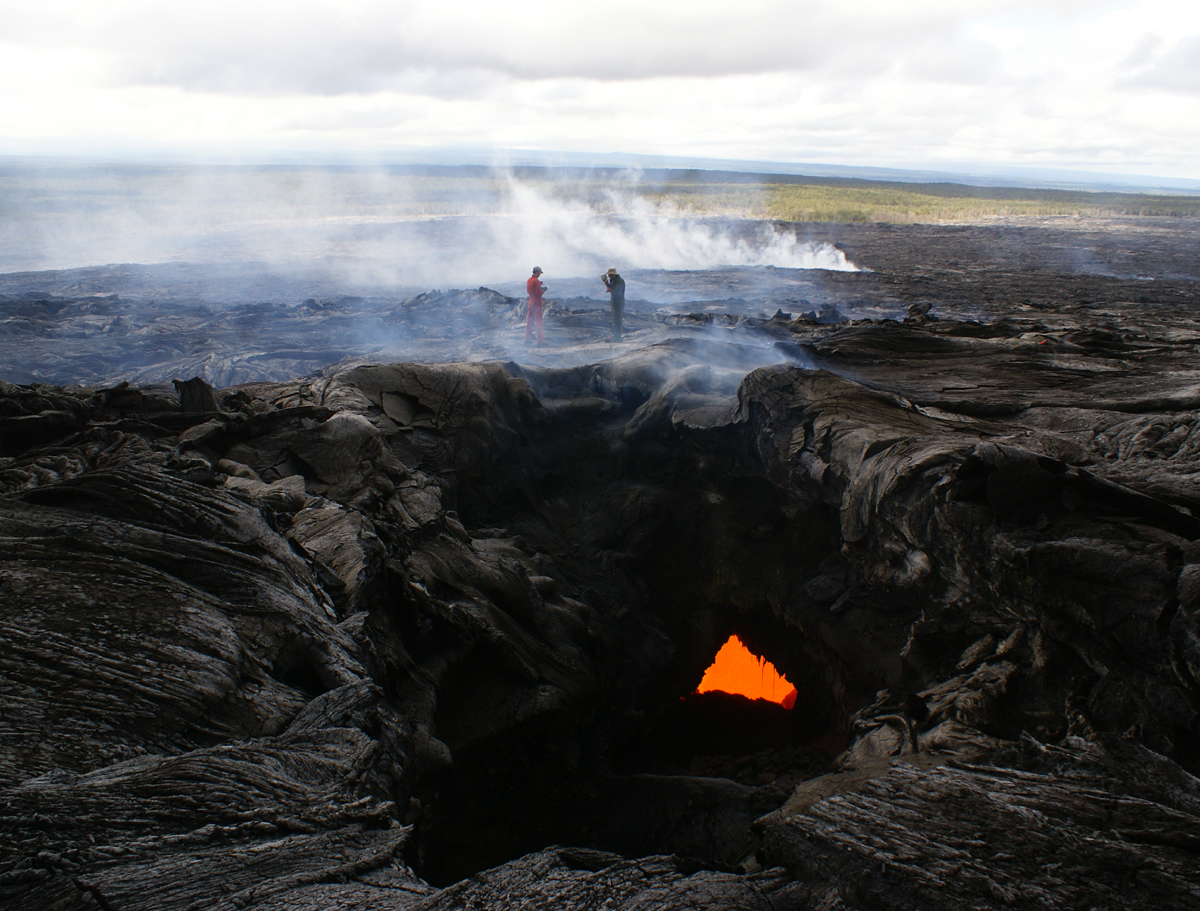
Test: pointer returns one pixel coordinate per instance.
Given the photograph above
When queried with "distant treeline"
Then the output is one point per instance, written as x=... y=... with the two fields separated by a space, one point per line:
x=787 y=197
x=834 y=199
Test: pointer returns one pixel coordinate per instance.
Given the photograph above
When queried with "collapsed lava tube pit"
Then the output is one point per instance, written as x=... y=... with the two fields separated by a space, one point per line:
x=739 y=671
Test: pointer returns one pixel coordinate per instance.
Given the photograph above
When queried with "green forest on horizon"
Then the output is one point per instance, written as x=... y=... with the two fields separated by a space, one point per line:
x=904 y=203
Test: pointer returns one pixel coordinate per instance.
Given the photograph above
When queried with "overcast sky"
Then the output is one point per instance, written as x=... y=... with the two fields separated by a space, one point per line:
x=924 y=83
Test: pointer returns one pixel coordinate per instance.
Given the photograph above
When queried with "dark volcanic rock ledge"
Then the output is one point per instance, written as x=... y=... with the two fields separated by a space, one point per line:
x=416 y=636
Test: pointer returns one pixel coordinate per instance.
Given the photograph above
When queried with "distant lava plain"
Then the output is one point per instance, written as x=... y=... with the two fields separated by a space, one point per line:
x=404 y=614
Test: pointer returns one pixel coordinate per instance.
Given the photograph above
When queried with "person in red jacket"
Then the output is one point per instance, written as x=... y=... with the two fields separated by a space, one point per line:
x=534 y=318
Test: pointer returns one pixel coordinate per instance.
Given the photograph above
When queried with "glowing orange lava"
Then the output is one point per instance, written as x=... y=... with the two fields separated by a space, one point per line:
x=738 y=670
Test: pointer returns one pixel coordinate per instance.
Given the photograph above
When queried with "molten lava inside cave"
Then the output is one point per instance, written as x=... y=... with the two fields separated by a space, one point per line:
x=739 y=671
x=743 y=708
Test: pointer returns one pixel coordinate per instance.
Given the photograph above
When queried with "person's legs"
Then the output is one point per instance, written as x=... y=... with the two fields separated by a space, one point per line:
x=534 y=318
x=618 y=310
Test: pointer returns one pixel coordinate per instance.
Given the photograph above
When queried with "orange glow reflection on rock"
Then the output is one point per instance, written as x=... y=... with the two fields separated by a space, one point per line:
x=738 y=670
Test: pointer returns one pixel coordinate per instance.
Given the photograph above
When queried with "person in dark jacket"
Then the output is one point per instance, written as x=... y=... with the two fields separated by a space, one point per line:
x=535 y=289
x=616 y=287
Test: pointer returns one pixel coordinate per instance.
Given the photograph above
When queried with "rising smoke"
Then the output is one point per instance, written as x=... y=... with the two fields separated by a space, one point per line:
x=635 y=233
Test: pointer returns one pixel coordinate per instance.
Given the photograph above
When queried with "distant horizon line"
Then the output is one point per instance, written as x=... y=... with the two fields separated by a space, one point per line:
x=965 y=174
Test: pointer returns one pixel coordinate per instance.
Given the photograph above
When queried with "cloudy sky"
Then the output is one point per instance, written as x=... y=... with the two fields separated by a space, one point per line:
x=1108 y=86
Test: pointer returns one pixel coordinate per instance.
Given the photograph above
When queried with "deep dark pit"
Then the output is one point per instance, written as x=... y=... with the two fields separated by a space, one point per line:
x=717 y=732
x=736 y=758
x=691 y=788
x=681 y=546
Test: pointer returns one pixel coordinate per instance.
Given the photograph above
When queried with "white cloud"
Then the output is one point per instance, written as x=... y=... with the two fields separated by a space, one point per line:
x=860 y=82
x=361 y=47
x=1170 y=68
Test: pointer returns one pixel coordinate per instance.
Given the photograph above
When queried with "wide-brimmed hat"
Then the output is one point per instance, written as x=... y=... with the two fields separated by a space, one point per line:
x=612 y=271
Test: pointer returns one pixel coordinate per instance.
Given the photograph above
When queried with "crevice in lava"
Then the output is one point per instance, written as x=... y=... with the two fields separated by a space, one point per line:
x=668 y=544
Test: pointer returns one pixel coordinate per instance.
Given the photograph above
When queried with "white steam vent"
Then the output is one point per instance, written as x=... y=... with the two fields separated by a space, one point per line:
x=578 y=237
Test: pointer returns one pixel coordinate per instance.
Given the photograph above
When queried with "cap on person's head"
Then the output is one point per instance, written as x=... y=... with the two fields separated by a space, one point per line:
x=612 y=271
x=537 y=270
